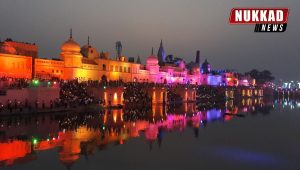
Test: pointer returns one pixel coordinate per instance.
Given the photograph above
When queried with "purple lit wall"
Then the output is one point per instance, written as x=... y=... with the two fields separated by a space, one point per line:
x=214 y=80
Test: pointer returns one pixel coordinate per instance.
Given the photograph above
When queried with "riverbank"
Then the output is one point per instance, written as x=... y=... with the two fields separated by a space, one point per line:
x=72 y=95
x=94 y=108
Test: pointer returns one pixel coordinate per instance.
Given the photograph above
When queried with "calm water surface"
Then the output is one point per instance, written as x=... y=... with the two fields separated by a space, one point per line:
x=251 y=136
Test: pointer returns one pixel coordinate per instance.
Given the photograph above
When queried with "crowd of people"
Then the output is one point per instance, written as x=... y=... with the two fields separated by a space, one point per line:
x=19 y=106
x=13 y=83
x=136 y=96
x=73 y=93
x=173 y=97
x=208 y=93
x=97 y=83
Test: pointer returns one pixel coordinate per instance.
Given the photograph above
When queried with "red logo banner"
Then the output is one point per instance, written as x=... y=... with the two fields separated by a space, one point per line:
x=259 y=16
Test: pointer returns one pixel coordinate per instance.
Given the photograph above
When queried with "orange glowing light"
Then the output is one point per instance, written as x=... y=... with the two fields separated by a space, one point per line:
x=154 y=97
x=105 y=96
x=115 y=117
x=115 y=97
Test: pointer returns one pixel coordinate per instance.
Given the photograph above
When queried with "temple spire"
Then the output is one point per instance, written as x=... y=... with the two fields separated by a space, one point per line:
x=138 y=60
x=198 y=57
x=161 y=54
x=71 y=34
x=152 y=52
x=88 y=40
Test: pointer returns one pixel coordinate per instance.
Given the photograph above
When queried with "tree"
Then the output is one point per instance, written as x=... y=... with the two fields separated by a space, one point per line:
x=261 y=77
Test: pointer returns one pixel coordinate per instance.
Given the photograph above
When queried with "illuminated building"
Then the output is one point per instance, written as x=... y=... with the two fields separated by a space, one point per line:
x=86 y=63
x=15 y=66
x=25 y=49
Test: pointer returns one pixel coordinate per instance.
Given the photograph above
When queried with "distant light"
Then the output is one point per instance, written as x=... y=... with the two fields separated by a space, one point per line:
x=121 y=142
x=35 y=141
x=36 y=82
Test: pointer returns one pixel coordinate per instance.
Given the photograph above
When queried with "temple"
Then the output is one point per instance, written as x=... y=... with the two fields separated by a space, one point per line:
x=21 y=60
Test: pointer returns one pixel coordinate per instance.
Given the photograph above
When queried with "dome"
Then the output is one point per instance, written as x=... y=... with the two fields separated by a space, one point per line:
x=206 y=63
x=7 y=49
x=89 y=52
x=152 y=60
x=182 y=65
x=85 y=50
x=86 y=47
x=70 y=46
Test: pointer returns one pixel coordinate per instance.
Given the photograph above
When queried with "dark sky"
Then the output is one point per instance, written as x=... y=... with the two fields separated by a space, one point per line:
x=184 y=26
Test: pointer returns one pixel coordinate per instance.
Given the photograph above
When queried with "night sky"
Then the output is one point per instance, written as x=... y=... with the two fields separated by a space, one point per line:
x=184 y=26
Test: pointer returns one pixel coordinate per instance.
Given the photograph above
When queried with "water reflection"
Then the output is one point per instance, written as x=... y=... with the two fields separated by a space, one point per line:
x=80 y=135
x=287 y=103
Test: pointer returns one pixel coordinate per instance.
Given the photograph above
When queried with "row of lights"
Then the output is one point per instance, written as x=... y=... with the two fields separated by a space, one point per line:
x=37 y=82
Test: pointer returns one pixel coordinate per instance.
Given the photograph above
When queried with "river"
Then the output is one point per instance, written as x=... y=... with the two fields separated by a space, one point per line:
x=252 y=135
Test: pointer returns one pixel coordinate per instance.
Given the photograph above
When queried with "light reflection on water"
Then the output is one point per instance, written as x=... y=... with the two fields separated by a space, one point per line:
x=23 y=138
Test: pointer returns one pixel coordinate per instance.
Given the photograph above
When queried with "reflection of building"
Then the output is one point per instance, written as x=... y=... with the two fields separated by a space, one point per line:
x=111 y=128
x=14 y=150
x=86 y=63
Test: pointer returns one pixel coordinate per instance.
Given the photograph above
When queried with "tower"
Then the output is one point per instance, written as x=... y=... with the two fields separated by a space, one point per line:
x=70 y=54
x=138 y=60
x=118 y=49
x=71 y=34
x=198 y=57
x=161 y=54
x=152 y=63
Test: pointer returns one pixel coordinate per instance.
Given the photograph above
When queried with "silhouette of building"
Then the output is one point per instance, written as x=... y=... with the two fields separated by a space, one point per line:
x=198 y=57
x=205 y=68
x=161 y=54
x=118 y=49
